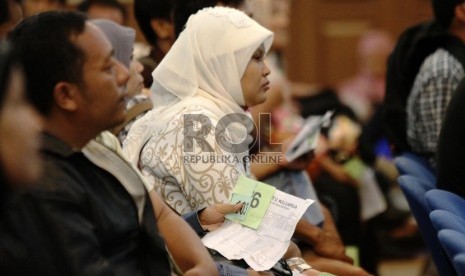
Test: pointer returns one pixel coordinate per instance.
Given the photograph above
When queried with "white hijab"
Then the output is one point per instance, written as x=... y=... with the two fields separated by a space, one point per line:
x=204 y=67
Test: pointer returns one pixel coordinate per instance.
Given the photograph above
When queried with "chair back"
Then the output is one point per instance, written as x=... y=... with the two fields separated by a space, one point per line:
x=409 y=163
x=445 y=200
x=442 y=219
x=452 y=241
x=459 y=264
x=414 y=190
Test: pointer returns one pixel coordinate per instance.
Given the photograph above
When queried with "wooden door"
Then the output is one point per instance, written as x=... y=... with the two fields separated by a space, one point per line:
x=324 y=34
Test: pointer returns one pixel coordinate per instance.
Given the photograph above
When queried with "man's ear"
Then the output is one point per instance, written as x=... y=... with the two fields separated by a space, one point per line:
x=66 y=96
x=163 y=28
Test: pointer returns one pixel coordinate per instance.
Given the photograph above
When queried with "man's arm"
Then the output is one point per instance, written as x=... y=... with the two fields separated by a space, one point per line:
x=183 y=243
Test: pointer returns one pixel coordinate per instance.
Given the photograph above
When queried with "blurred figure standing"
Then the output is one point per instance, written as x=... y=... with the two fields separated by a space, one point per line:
x=24 y=249
x=10 y=15
x=31 y=7
x=104 y=9
x=364 y=92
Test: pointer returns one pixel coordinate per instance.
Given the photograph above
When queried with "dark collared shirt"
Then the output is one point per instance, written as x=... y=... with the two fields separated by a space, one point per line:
x=94 y=219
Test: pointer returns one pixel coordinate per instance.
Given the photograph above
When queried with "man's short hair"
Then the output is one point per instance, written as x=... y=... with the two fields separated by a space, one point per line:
x=48 y=54
x=85 y=5
x=146 y=10
x=444 y=11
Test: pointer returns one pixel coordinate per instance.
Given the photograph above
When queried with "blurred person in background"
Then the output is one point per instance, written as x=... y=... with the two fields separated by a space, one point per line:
x=155 y=19
x=25 y=244
x=31 y=7
x=11 y=14
x=104 y=9
x=137 y=100
x=436 y=81
x=184 y=9
x=364 y=92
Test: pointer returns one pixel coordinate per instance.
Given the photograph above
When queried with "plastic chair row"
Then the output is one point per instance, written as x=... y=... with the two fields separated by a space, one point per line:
x=415 y=189
x=448 y=218
x=416 y=179
x=440 y=214
x=409 y=163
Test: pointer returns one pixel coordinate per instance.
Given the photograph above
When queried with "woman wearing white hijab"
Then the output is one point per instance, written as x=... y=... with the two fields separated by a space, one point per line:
x=215 y=68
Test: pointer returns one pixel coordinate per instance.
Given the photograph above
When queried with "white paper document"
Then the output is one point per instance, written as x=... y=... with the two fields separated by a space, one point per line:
x=263 y=247
x=372 y=201
x=307 y=138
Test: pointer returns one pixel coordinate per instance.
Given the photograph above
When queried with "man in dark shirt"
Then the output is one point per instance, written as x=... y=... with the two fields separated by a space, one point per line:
x=451 y=145
x=94 y=205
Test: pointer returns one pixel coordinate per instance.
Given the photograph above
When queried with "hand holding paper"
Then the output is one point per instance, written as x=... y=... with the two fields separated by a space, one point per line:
x=262 y=234
x=256 y=197
x=213 y=216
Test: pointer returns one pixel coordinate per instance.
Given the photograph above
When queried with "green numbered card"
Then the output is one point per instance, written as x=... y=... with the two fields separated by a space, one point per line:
x=241 y=215
x=256 y=197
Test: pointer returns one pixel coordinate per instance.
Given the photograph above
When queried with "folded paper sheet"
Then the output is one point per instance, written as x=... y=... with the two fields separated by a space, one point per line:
x=307 y=139
x=261 y=248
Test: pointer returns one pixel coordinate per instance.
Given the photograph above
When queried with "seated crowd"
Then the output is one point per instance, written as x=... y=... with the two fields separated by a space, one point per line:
x=95 y=131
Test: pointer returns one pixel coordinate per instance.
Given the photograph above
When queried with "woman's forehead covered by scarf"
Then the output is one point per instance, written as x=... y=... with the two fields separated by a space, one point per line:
x=121 y=38
x=211 y=54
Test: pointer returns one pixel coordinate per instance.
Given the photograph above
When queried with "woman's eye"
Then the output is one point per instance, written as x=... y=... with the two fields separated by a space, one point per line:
x=109 y=68
x=258 y=57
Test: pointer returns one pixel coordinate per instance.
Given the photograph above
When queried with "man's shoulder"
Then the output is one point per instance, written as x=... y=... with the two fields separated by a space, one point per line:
x=60 y=177
x=57 y=162
x=441 y=54
x=439 y=65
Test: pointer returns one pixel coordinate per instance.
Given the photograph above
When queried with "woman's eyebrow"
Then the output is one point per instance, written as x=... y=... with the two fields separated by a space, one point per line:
x=259 y=51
